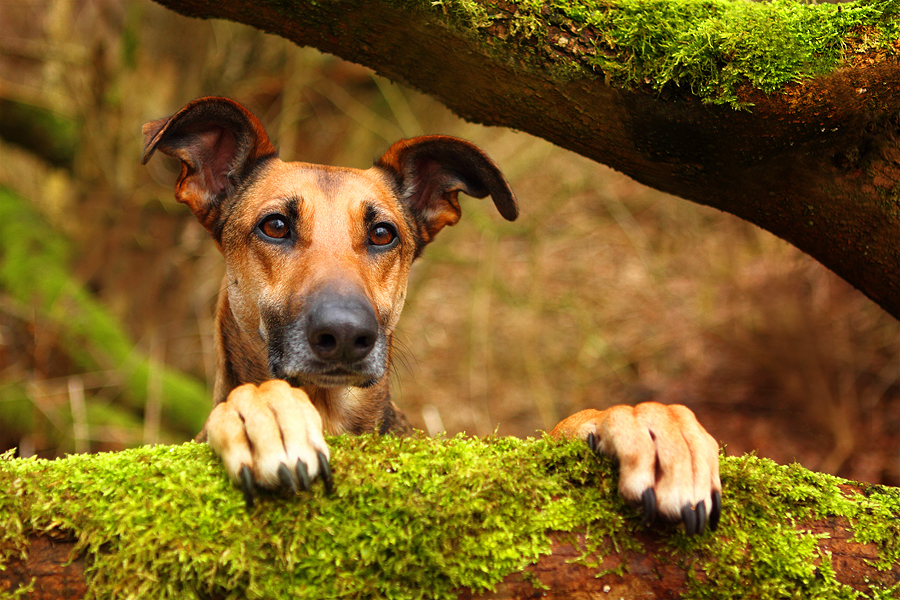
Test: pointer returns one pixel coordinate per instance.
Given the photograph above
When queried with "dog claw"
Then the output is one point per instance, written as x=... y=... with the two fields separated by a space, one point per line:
x=247 y=486
x=287 y=478
x=716 y=511
x=700 y=511
x=325 y=470
x=649 y=498
x=303 y=475
x=592 y=441
x=689 y=516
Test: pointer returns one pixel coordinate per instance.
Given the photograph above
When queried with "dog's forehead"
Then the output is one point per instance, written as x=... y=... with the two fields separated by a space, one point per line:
x=335 y=186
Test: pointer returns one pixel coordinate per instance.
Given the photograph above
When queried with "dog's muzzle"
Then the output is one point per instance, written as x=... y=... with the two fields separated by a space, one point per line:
x=335 y=341
x=341 y=329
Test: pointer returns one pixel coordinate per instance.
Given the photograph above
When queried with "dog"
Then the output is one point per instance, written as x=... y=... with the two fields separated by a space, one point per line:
x=316 y=266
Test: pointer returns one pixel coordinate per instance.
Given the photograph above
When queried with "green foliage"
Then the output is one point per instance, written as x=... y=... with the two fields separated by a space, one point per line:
x=34 y=271
x=417 y=518
x=707 y=47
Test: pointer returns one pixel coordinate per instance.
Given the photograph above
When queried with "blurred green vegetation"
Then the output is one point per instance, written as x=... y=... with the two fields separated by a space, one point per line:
x=35 y=271
x=602 y=292
x=41 y=131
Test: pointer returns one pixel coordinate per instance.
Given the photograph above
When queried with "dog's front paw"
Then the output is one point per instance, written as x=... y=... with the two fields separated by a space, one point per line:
x=269 y=436
x=667 y=461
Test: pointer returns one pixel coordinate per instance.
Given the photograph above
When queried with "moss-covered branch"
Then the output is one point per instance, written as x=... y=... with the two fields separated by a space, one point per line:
x=782 y=113
x=427 y=518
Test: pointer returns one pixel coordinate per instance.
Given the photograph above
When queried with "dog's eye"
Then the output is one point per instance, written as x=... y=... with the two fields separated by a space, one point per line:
x=383 y=235
x=276 y=227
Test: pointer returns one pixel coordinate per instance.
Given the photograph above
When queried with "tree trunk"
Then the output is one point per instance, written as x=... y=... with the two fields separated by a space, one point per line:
x=807 y=151
x=427 y=518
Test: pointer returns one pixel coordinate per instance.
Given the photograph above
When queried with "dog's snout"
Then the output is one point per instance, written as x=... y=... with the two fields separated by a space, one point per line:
x=342 y=329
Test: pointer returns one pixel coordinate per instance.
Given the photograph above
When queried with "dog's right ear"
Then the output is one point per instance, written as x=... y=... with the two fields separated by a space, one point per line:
x=218 y=142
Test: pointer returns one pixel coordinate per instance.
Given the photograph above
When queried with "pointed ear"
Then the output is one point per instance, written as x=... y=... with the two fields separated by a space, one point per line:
x=218 y=142
x=430 y=171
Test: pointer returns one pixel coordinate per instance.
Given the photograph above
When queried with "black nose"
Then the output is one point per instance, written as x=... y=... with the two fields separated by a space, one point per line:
x=341 y=328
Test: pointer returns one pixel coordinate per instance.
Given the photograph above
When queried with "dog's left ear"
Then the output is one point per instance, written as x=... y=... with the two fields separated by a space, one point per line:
x=430 y=171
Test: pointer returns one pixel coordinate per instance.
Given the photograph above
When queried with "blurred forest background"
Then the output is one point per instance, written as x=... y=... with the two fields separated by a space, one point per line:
x=603 y=292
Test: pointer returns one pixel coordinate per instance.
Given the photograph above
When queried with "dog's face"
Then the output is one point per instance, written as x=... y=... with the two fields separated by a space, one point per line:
x=317 y=258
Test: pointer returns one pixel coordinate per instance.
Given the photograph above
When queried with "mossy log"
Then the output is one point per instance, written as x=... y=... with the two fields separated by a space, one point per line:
x=431 y=518
x=783 y=113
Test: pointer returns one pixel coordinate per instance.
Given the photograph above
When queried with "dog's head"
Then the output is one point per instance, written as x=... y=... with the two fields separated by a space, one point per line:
x=317 y=257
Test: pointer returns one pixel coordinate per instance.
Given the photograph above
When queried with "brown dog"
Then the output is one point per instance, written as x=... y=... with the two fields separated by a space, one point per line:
x=317 y=260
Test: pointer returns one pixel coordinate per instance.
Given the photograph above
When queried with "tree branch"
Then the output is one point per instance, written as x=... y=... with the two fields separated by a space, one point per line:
x=430 y=518
x=650 y=88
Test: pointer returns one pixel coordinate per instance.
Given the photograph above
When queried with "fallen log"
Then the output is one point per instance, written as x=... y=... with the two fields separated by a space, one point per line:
x=431 y=518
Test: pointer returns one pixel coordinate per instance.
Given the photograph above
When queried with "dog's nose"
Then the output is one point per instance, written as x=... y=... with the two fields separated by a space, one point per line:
x=342 y=329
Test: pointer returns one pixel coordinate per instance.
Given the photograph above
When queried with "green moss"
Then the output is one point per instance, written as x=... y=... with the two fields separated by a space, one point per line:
x=409 y=518
x=415 y=518
x=706 y=47
x=771 y=555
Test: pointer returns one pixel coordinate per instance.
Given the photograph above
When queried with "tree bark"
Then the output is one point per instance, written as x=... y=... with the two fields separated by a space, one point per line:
x=816 y=162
